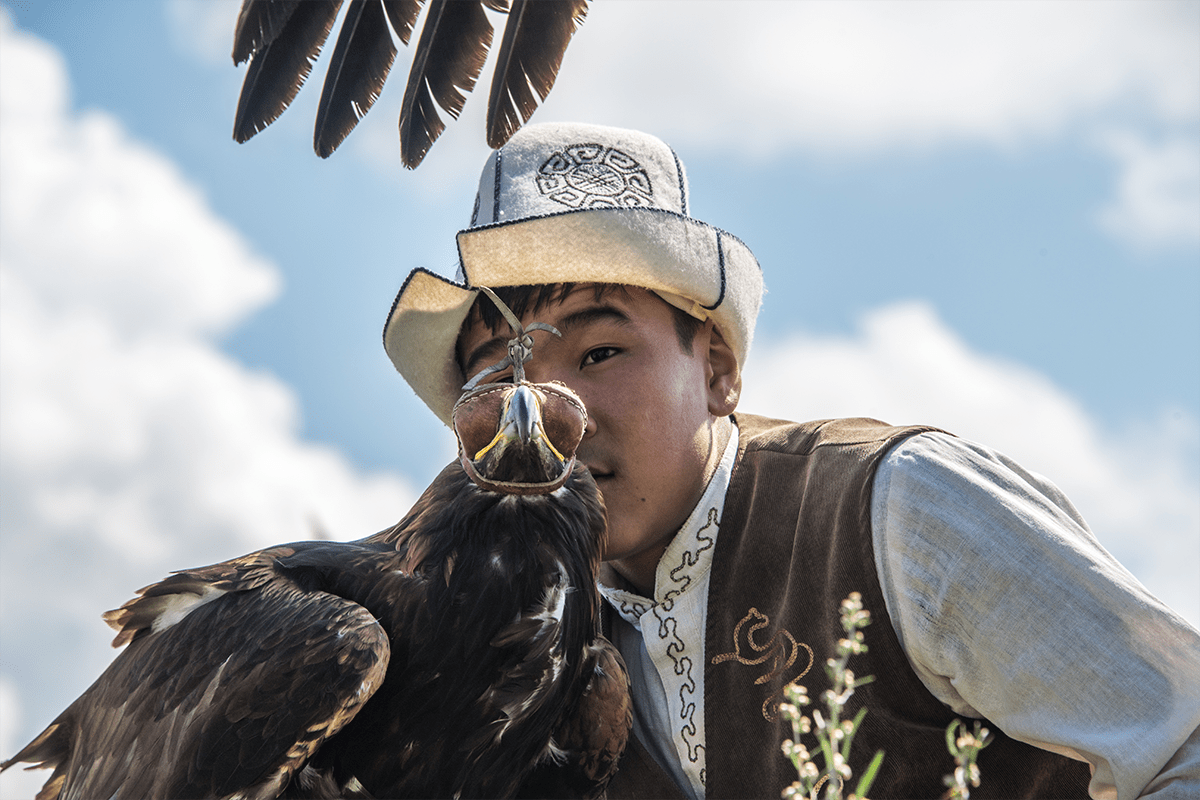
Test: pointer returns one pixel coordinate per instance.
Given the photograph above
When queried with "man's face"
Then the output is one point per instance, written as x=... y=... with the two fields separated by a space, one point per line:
x=650 y=429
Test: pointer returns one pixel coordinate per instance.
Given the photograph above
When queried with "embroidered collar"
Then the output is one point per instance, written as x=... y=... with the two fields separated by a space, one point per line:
x=689 y=555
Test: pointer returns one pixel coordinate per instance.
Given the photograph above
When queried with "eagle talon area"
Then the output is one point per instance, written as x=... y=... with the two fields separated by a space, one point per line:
x=454 y=654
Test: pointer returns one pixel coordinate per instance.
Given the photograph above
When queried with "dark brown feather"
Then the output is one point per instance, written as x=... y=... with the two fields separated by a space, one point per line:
x=535 y=38
x=259 y=23
x=403 y=16
x=280 y=67
x=50 y=750
x=594 y=736
x=449 y=57
x=360 y=64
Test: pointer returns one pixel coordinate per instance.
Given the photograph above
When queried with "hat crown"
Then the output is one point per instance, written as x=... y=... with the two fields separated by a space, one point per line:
x=558 y=168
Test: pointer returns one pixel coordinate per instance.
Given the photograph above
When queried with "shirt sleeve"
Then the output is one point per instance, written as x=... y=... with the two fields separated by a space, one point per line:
x=1008 y=608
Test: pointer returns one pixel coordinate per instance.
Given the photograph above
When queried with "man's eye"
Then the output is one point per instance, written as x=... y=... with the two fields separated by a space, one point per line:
x=599 y=354
x=499 y=377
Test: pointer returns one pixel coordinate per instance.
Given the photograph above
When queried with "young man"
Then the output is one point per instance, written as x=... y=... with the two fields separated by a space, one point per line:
x=733 y=538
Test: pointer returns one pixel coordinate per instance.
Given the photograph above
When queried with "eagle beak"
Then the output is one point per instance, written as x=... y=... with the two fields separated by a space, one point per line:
x=520 y=425
x=508 y=433
x=524 y=414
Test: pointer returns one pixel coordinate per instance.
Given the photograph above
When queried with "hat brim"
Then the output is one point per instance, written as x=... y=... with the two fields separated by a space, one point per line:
x=674 y=255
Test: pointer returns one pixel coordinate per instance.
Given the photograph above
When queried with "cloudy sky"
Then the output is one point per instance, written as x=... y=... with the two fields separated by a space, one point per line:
x=983 y=216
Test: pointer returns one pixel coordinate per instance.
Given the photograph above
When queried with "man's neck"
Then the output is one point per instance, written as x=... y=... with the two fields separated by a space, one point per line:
x=640 y=568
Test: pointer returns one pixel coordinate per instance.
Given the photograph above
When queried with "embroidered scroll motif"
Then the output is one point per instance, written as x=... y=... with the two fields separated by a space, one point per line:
x=690 y=558
x=781 y=651
x=630 y=609
x=676 y=647
x=594 y=176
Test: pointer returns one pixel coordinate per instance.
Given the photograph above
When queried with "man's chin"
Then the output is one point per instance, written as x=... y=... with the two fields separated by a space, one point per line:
x=632 y=555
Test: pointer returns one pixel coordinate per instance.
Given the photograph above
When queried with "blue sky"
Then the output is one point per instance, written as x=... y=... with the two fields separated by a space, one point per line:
x=983 y=216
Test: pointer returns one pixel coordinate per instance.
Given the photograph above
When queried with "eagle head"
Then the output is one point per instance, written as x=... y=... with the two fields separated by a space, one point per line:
x=519 y=438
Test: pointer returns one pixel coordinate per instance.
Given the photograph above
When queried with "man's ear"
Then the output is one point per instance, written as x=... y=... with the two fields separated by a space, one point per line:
x=724 y=374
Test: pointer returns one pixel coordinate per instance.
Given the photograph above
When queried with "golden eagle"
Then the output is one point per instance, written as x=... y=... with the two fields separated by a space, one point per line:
x=456 y=654
x=282 y=39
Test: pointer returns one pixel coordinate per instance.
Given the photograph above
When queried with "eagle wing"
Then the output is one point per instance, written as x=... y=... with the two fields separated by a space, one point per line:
x=282 y=40
x=233 y=677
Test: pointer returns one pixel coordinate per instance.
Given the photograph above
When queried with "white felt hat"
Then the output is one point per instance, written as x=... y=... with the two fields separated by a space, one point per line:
x=574 y=203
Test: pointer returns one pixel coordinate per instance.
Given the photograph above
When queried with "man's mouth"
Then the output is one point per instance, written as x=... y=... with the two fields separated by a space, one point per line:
x=600 y=474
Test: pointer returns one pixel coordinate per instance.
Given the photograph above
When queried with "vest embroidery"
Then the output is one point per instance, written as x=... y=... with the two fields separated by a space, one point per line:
x=781 y=650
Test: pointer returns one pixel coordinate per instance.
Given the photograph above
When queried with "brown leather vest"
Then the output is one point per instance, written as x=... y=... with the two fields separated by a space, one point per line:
x=794 y=541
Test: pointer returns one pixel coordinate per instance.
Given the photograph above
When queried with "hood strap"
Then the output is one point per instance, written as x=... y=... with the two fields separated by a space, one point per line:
x=520 y=347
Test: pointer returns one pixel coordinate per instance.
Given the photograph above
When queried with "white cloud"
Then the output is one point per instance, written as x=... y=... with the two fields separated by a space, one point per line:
x=153 y=257
x=132 y=445
x=846 y=80
x=204 y=28
x=15 y=784
x=851 y=77
x=1139 y=489
x=1157 y=199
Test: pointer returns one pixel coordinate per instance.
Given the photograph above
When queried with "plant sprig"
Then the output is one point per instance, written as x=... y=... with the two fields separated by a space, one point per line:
x=965 y=747
x=834 y=735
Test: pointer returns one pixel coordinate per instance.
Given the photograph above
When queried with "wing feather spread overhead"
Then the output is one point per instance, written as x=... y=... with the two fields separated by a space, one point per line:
x=403 y=16
x=450 y=55
x=535 y=38
x=259 y=24
x=360 y=64
x=282 y=39
x=280 y=66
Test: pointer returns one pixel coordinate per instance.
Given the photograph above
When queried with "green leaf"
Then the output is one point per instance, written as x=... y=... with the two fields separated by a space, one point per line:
x=950 y=736
x=826 y=751
x=858 y=718
x=868 y=777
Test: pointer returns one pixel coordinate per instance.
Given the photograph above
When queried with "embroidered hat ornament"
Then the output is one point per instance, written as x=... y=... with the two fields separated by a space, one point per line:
x=574 y=203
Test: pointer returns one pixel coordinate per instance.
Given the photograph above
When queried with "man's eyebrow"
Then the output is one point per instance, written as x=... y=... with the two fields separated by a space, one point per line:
x=492 y=350
x=587 y=316
x=497 y=347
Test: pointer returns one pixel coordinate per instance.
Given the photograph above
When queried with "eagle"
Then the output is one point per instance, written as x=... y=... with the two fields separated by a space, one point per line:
x=455 y=654
x=281 y=39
